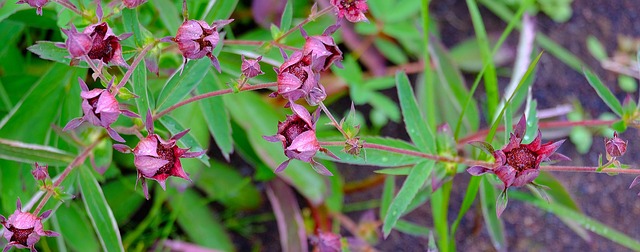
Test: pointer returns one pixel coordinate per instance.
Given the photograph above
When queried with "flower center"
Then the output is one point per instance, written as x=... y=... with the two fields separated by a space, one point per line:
x=165 y=153
x=94 y=104
x=295 y=128
x=20 y=235
x=521 y=158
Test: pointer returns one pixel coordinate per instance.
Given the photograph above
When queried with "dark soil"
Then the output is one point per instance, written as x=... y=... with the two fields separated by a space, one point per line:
x=602 y=197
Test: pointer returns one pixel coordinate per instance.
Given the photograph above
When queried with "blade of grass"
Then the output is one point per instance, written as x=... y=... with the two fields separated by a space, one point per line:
x=495 y=227
x=490 y=76
x=605 y=94
x=429 y=84
x=512 y=23
x=440 y=209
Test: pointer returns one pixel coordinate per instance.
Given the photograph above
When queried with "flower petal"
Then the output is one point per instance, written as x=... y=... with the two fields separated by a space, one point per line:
x=282 y=166
x=148 y=165
x=526 y=177
x=122 y=148
x=478 y=170
x=147 y=146
x=506 y=174
x=501 y=204
x=114 y=135
x=521 y=127
x=74 y=123
x=319 y=168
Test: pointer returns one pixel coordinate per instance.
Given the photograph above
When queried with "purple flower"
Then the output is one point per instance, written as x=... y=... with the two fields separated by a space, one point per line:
x=615 y=146
x=296 y=79
x=158 y=159
x=100 y=108
x=518 y=164
x=298 y=136
x=24 y=229
x=38 y=4
x=251 y=67
x=98 y=42
x=196 y=39
x=323 y=49
x=133 y=3
x=352 y=10
x=40 y=172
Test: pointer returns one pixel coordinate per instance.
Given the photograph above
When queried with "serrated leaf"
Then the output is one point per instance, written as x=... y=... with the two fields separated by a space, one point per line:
x=49 y=51
x=180 y=85
x=99 y=211
x=187 y=141
x=418 y=176
x=605 y=94
x=416 y=126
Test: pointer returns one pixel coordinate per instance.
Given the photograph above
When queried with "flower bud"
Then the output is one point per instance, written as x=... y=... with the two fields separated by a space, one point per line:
x=615 y=146
x=133 y=3
x=296 y=79
x=251 y=67
x=40 y=172
x=24 y=229
x=196 y=39
x=323 y=49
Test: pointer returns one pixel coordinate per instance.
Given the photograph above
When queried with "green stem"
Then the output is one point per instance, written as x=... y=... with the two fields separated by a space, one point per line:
x=307 y=20
x=428 y=79
x=333 y=120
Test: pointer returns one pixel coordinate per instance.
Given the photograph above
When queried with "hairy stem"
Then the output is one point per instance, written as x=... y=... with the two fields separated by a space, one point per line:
x=76 y=162
x=212 y=94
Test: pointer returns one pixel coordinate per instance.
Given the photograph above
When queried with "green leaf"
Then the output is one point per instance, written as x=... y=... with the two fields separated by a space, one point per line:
x=392 y=51
x=49 y=51
x=169 y=14
x=99 y=211
x=180 y=85
x=132 y=25
x=387 y=194
x=469 y=198
x=588 y=223
x=605 y=94
x=196 y=220
x=217 y=117
x=488 y=196
x=287 y=16
x=627 y=84
x=419 y=132
x=412 y=228
x=75 y=228
x=531 y=131
x=221 y=10
x=418 y=176
x=287 y=212
x=490 y=76
x=123 y=198
x=31 y=153
x=144 y=102
x=226 y=185
x=11 y=7
x=596 y=48
x=188 y=140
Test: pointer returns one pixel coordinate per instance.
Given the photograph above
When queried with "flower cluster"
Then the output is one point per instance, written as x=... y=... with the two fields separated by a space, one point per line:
x=24 y=229
x=158 y=159
x=100 y=108
x=518 y=164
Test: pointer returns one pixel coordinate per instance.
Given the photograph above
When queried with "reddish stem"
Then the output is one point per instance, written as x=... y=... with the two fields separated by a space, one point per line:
x=76 y=162
x=212 y=94
x=134 y=64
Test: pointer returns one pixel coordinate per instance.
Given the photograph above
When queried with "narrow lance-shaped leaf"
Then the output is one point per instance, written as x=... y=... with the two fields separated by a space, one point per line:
x=419 y=132
x=99 y=211
x=293 y=236
x=418 y=176
x=605 y=94
x=31 y=153
x=287 y=16
x=217 y=117
x=180 y=85
x=488 y=197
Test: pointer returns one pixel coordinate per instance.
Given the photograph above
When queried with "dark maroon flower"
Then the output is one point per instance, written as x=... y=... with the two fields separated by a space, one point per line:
x=615 y=146
x=251 y=67
x=158 y=159
x=98 y=42
x=100 y=108
x=298 y=137
x=133 y=3
x=323 y=49
x=296 y=79
x=40 y=172
x=24 y=229
x=196 y=39
x=518 y=164
x=352 y=10
x=38 y=4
